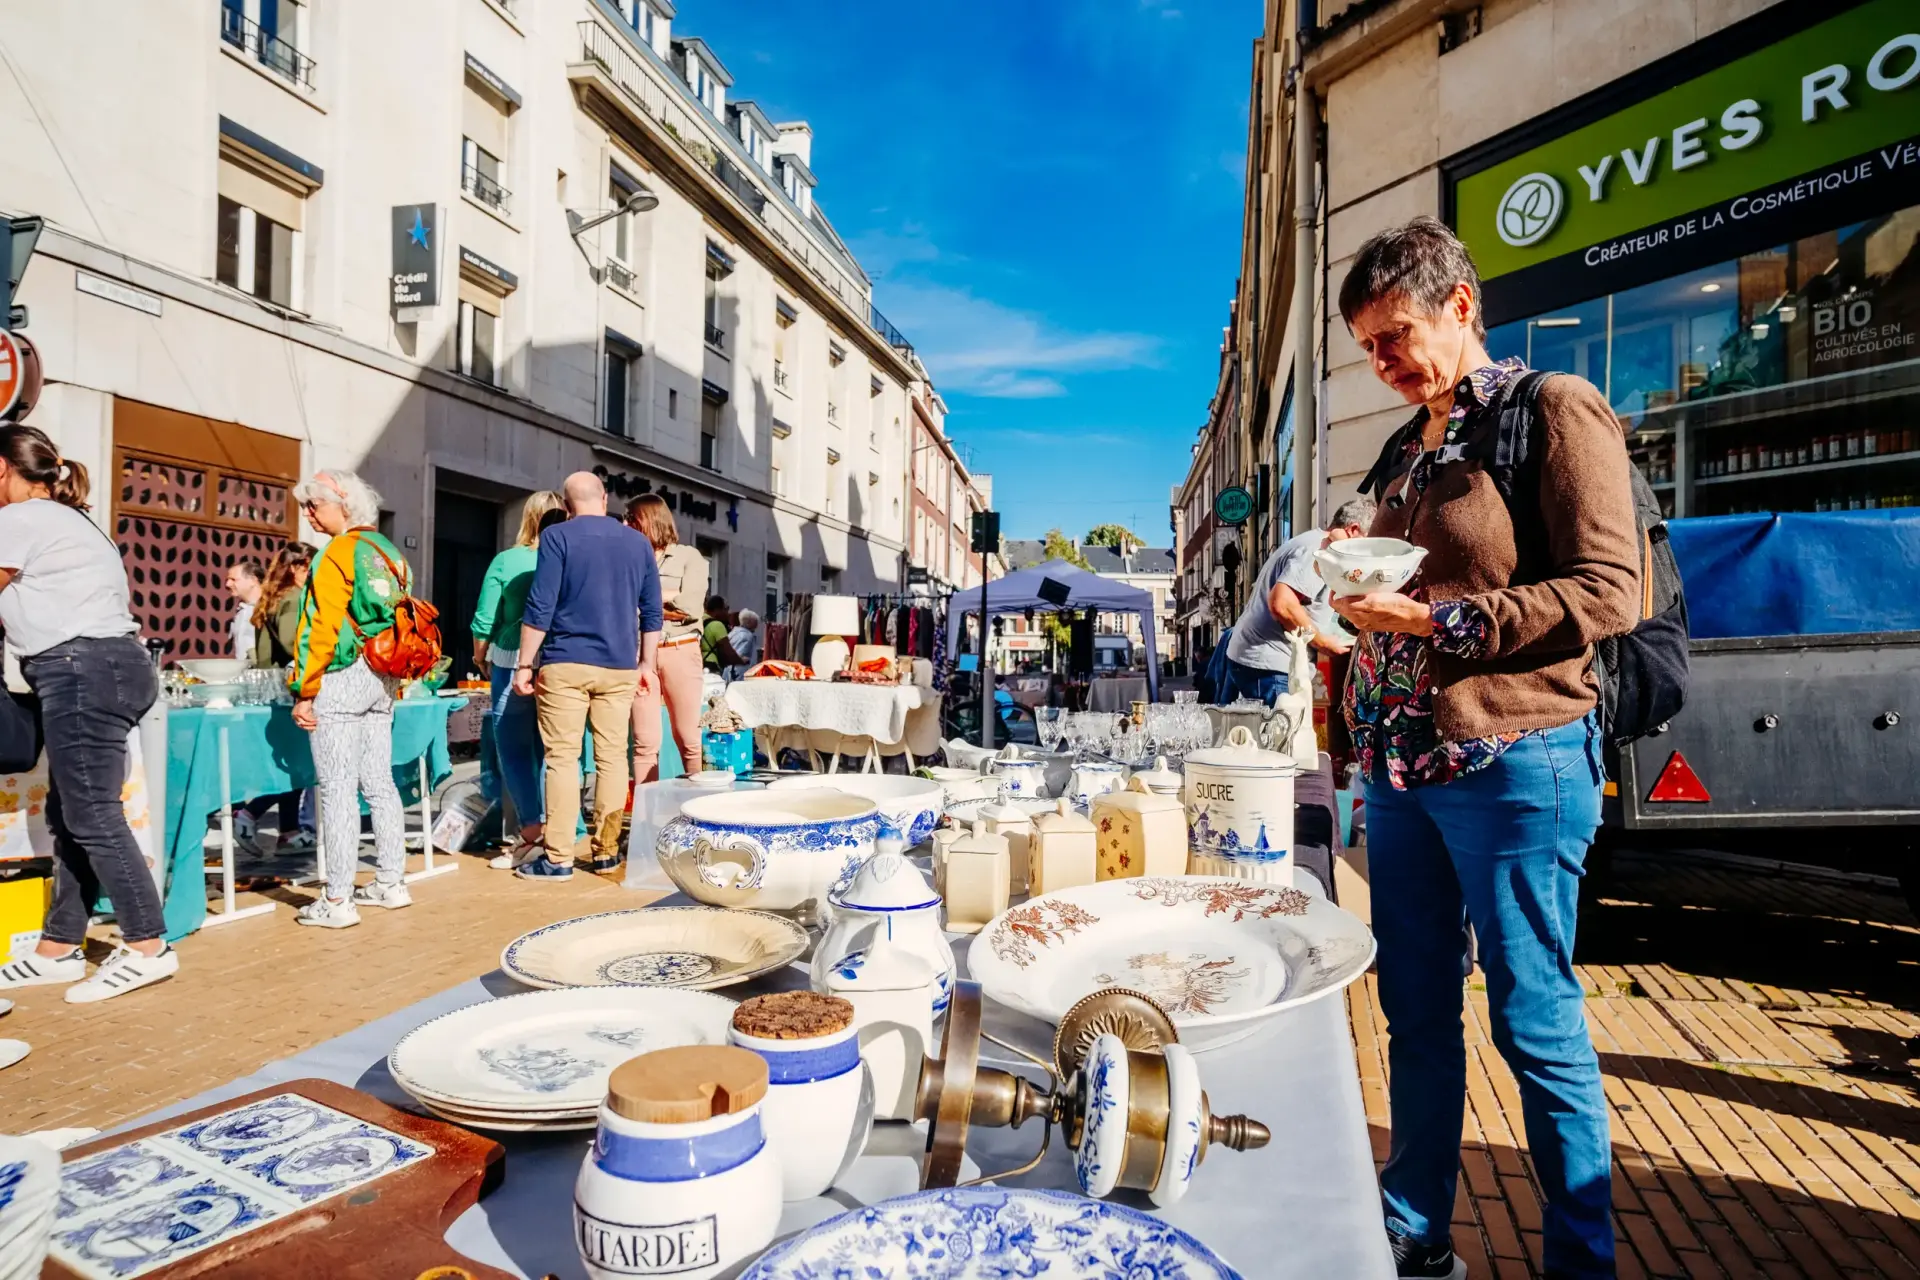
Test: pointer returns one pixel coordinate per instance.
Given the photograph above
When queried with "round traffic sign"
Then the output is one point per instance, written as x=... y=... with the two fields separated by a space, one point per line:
x=1233 y=504
x=13 y=372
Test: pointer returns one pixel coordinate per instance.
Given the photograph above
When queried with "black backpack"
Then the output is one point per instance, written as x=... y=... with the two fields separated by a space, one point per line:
x=1642 y=674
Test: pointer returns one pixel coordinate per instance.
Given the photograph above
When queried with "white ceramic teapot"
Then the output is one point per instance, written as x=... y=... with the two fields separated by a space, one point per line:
x=1020 y=776
x=888 y=898
x=1240 y=811
x=1094 y=778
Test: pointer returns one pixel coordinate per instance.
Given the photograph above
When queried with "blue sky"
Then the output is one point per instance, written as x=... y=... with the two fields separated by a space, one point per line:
x=1048 y=197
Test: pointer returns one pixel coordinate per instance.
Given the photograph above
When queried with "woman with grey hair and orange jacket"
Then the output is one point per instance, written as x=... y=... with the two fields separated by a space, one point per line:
x=1469 y=706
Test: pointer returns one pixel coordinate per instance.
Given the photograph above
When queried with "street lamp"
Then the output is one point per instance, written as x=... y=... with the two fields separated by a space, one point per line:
x=641 y=201
x=1548 y=322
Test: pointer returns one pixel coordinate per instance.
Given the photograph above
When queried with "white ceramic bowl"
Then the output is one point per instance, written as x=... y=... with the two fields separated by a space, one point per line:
x=770 y=850
x=1357 y=566
x=213 y=670
x=1219 y=954
x=909 y=805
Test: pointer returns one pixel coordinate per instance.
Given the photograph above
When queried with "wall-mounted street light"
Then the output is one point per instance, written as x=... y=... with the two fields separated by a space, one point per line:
x=641 y=201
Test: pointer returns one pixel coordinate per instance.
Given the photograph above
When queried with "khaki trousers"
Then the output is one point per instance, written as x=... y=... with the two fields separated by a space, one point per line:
x=569 y=697
x=682 y=679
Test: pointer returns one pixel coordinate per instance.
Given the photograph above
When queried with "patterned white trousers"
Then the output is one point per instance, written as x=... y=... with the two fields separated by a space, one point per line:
x=352 y=757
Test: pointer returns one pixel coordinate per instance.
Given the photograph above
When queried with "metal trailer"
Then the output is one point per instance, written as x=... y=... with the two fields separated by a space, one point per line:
x=1782 y=733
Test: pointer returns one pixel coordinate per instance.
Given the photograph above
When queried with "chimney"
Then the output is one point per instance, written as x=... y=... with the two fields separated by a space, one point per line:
x=796 y=139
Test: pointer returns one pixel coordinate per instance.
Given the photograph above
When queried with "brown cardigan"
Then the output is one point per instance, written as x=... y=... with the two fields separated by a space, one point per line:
x=1582 y=586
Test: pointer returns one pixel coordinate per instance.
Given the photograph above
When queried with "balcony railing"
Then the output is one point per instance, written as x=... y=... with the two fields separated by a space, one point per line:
x=484 y=189
x=833 y=412
x=716 y=337
x=781 y=378
x=619 y=276
x=269 y=51
x=706 y=143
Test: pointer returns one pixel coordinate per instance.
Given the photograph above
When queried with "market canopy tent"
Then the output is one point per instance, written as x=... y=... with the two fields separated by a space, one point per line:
x=1019 y=592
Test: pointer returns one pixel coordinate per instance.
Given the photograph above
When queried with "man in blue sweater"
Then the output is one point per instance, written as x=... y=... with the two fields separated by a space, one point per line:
x=588 y=641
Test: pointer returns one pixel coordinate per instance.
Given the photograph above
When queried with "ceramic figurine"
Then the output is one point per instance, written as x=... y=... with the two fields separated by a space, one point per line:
x=819 y=1104
x=978 y=874
x=1139 y=833
x=1063 y=852
x=1016 y=825
x=888 y=899
x=680 y=1179
x=1240 y=811
x=890 y=989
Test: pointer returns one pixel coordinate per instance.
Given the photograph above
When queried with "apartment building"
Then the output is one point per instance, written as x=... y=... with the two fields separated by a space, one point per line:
x=465 y=247
x=1704 y=207
x=946 y=496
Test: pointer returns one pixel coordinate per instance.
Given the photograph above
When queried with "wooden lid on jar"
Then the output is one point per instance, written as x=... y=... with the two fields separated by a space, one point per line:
x=688 y=1084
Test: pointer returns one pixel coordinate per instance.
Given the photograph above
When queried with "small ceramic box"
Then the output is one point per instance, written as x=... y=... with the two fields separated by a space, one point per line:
x=1140 y=833
x=1063 y=852
x=1011 y=821
x=978 y=872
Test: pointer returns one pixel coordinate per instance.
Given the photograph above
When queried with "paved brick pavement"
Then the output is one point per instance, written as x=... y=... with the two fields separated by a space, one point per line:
x=1765 y=1114
x=261 y=989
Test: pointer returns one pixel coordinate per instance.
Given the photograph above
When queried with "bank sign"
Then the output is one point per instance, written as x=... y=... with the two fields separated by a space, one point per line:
x=1799 y=134
x=416 y=256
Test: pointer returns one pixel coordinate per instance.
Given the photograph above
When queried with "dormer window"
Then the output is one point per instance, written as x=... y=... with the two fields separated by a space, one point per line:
x=641 y=17
x=705 y=77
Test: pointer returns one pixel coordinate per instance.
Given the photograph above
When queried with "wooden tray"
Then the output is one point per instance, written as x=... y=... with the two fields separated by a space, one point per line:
x=392 y=1227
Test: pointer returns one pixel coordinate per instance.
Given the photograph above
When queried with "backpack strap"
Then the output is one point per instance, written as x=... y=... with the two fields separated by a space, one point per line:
x=404 y=579
x=1392 y=463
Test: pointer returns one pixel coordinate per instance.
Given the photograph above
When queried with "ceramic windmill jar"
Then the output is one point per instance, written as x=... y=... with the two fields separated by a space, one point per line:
x=1240 y=811
x=1139 y=833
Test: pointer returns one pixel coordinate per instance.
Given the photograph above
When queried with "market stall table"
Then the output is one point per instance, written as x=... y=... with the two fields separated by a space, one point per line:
x=1116 y=693
x=874 y=712
x=1305 y=1206
x=265 y=753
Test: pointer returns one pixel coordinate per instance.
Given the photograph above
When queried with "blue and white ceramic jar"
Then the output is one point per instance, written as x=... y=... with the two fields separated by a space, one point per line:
x=819 y=1104
x=770 y=850
x=686 y=1198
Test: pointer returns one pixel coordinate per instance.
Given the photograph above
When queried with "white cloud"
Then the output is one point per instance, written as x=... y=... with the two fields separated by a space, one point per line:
x=879 y=252
x=982 y=347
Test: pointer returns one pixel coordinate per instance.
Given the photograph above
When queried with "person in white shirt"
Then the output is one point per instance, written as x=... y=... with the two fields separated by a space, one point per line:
x=745 y=639
x=63 y=602
x=243 y=584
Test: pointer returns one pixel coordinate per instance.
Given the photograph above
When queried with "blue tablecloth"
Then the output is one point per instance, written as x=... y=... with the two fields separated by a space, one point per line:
x=267 y=754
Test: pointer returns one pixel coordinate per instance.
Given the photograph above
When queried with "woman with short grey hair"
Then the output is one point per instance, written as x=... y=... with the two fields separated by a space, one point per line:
x=342 y=702
x=1469 y=705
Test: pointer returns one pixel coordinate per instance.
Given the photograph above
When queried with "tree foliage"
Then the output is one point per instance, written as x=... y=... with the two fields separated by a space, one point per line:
x=1117 y=536
x=1060 y=547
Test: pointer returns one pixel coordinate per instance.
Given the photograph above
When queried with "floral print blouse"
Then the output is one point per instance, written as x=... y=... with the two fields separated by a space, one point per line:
x=1389 y=694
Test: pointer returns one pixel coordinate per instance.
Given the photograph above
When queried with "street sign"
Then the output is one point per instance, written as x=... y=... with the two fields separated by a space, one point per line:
x=13 y=373
x=917 y=576
x=17 y=238
x=1233 y=505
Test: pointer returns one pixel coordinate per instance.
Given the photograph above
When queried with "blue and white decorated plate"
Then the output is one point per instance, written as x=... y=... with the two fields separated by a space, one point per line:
x=991 y=1233
x=695 y=948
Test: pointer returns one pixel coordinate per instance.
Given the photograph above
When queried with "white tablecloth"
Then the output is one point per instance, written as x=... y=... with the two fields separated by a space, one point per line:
x=858 y=710
x=1307 y=1206
x=1116 y=693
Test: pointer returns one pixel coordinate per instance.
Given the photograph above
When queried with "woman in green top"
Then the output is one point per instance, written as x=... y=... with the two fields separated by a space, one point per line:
x=517 y=755
x=276 y=617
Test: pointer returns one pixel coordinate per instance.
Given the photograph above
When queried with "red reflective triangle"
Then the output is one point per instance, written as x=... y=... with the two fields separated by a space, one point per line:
x=1679 y=783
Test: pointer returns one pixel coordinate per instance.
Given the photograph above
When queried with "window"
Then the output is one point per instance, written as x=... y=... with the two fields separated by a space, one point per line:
x=777 y=481
x=640 y=16
x=829 y=579
x=617 y=397
x=784 y=316
x=673 y=403
x=272 y=33
x=258 y=229
x=480 y=176
x=479 y=342
x=483 y=151
x=621 y=226
x=710 y=432
x=776 y=587
x=719 y=267
x=833 y=483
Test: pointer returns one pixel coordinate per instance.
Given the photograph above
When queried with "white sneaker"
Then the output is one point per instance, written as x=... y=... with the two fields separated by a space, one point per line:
x=295 y=842
x=33 y=970
x=324 y=913
x=6 y=1007
x=11 y=1051
x=125 y=970
x=518 y=856
x=391 y=896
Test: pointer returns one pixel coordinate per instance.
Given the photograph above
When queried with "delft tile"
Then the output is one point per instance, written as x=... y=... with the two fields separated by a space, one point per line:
x=92 y=1186
x=333 y=1163
x=270 y=1124
x=151 y=1231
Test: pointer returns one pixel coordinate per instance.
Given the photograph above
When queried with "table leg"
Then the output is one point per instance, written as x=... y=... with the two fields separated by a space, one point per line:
x=228 y=912
x=427 y=869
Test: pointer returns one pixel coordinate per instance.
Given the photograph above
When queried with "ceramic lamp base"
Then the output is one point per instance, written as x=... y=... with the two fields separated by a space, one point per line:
x=830 y=654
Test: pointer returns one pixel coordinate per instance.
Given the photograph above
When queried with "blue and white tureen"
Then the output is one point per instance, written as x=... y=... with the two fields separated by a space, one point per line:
x=771 y=850
x=990 y=1233
x=909 y=807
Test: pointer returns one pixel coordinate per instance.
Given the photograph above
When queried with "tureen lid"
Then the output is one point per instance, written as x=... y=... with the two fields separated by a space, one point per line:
x=1242 y=752
x=883 y=966
x=886 y=882
x=1063 y=817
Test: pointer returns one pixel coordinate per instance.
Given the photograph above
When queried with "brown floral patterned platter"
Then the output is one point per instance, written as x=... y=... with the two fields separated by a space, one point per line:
x=1221 y=955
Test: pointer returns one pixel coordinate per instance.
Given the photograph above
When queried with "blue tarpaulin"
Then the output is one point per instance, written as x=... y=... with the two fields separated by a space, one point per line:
x=1798 y=574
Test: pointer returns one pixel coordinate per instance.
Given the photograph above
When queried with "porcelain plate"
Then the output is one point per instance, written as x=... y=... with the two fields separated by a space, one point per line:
x=696 y=948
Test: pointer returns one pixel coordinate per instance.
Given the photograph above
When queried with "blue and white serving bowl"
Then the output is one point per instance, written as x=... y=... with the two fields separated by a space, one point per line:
x=771 y=850
x=989 y=1233
x=909 y=807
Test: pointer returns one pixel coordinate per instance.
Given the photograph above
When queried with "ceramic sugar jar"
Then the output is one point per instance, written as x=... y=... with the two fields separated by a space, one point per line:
x=1240 y=811
x=977 y=879
x=888 y=899
x=889 y=988
x=1139 y=833
x=819 y=1103
x=680 y=1180
x=1063 y=852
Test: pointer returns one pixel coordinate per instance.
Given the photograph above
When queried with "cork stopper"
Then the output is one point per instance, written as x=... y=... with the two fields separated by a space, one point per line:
x=792 y=1015
x=687 y=1084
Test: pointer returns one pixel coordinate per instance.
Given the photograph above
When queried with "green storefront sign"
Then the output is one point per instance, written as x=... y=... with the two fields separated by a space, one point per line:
x=1800 y=120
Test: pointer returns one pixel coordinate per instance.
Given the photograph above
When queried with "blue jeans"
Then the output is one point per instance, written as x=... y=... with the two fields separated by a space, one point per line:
x=1252 y=682
x=92 y=694
x=517 y=749
x=1502 y=848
